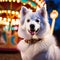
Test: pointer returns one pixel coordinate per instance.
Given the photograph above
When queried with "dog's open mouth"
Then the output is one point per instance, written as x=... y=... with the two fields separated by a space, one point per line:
x=32 y=32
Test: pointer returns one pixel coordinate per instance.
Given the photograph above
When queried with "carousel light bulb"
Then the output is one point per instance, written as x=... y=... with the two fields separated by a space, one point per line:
x=29 y=3
x=36 y=1
x=8 y=19
x=0 y=0
x=0 y=18
x=38 y=8
x=17 y=21
x=13 y=22
x=6 y=0
x=4 y=19
x=39 y=3
x=18 y=1
x=14 y=0
x=3 y=0
x=8 y=11
x=7 y=23
x=2 y=11
x=18 y=15
x=10 y=0
x=13 y=12
x=17 y=12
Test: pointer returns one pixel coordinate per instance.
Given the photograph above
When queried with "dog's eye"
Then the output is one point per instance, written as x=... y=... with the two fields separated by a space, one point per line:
x=28 y=20
x=37 y=20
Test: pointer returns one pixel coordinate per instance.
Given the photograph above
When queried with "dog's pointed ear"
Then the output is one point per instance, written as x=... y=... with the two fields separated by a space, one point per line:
x=43 y=11
x=23 y=11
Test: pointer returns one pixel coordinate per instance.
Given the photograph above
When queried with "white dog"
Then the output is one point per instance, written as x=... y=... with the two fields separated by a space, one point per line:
x=38 y=43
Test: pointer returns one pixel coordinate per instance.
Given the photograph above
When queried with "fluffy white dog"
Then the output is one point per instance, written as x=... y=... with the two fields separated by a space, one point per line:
x=38 y=43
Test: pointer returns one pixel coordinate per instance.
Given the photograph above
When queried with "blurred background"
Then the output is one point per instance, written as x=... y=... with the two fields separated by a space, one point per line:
x=9 y=22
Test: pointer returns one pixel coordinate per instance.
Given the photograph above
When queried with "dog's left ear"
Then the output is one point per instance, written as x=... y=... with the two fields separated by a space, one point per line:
x=43 y=11
x=23 y=11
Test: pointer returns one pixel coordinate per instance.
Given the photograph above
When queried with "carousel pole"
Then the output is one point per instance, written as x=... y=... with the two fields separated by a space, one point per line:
x=9 y=28
x=53 y=15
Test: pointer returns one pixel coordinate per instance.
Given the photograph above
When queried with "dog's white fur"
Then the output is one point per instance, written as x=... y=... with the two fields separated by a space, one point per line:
x=46 y=49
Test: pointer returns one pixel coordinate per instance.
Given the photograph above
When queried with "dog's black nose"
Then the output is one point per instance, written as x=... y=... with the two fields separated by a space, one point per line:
x=32 y=27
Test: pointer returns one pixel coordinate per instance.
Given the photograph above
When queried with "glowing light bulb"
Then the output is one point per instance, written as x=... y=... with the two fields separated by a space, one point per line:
x=18 y=1
x=8 y=19
x=17 y=12
x=4 y=19
x=0 y=0
x=10 y=0
x=2 y=11
x=14 y=0
x=8 y=11
x=17 y=21
x=13 y=22
x=0 y=18
x=13 y=12
x=6 y=0
x=3 y=0
x=19 y=16
x=5 y=11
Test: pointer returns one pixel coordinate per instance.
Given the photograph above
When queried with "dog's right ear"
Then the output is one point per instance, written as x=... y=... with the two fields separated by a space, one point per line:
x=23 y=11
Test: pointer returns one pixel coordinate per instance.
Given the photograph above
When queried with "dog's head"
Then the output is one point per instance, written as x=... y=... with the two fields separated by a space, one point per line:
x=33 y=23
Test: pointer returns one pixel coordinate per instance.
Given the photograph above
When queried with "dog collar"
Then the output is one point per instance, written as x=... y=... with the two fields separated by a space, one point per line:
x=32 y=41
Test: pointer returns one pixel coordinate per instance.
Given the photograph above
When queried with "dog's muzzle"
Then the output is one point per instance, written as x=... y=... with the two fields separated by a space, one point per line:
x=32 y=30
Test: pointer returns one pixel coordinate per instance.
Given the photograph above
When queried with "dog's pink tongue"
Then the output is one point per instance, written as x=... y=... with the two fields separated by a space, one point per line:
x=32 y=33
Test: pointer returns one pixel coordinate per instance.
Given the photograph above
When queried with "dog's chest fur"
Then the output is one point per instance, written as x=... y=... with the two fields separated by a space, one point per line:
x=38 y=49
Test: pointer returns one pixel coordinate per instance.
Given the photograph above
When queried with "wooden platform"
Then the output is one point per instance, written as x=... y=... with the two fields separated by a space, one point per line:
x=12 y=56
x=9 y=54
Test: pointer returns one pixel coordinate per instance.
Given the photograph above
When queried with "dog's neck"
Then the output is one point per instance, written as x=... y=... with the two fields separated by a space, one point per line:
x=32 y=41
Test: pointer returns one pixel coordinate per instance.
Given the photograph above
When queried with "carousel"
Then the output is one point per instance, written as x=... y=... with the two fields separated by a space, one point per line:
x=9 y=19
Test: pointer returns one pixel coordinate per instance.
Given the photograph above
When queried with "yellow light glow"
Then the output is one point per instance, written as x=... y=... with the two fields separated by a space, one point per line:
x=0 y=18
x=6 y=23
x=0 y=0
x=10 y=0
x=4 y=19
x=18 y=1
x=13 y=22
x=3 y=0
x=17 y=21
x=54 y=14
x=9 y=19
x=3 y=11
x=14 y=0
x=6 y=0
x=29 y=2
x=17 y=12
x=38 y=8
x=13 y=12
x=19 y=16
x=8 y=11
